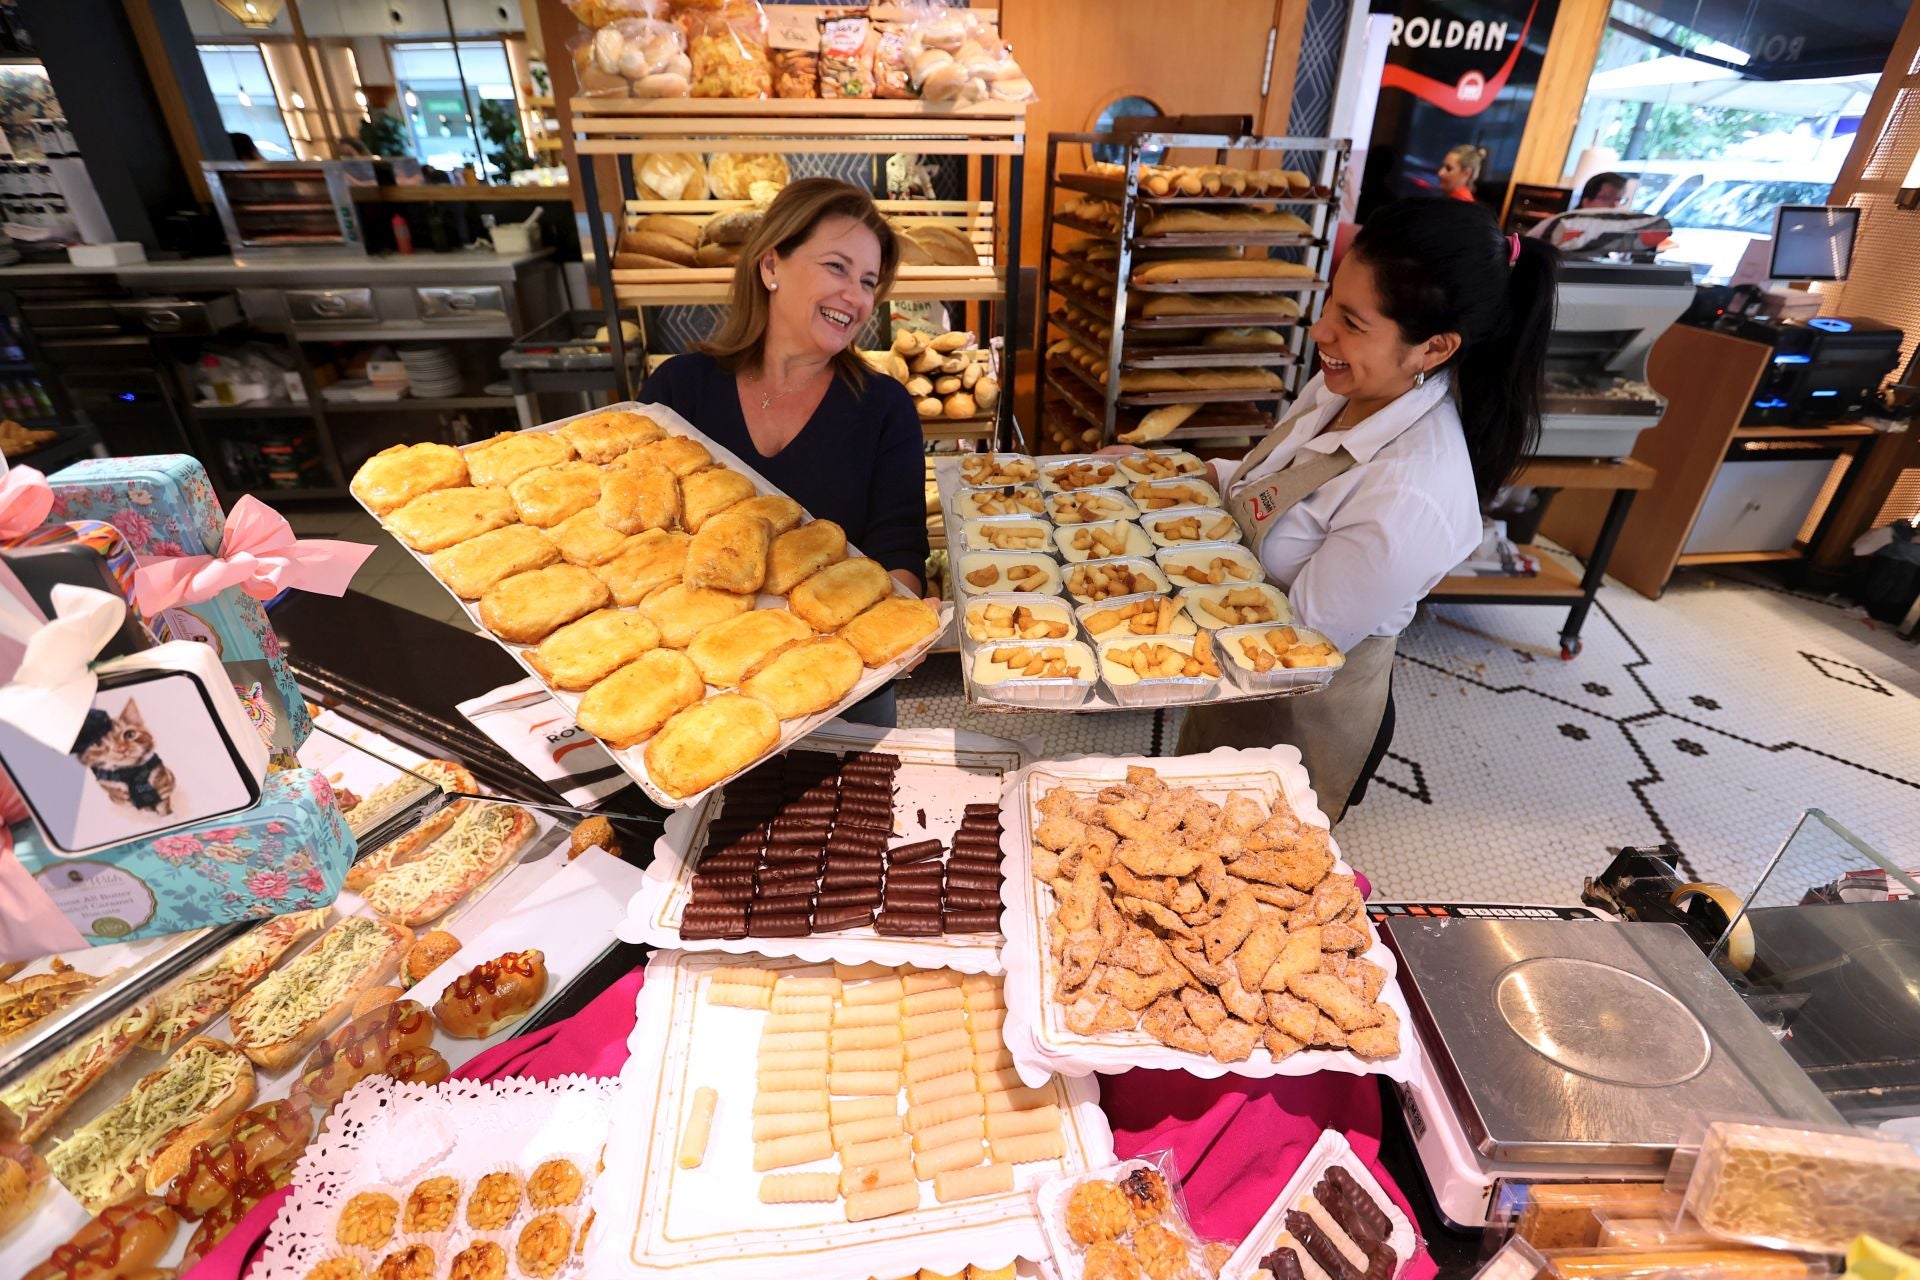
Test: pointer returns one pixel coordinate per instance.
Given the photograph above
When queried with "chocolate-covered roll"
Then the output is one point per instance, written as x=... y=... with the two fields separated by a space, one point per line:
x=843 y=844
x=902 y=924
x=970 y=921
x=694 y=931
x=975 y=844
x=779 y=923
x=732 y=860
x=985 y=884
x=797 y=840
x=969 y=900
x=1320 y=1248
x=834 y=919
x=876 y=759
x=1284 y=1264
x=982 y=809
x=799 y=873
x=867 y=895
x=977 y=870
x=915 y=852
x=866 y=798
x=1358 y=1214
x=901 y=900
x=931 y=869
x=871 y=868
x=704 y=879
x=850 y=880
x=882 y=822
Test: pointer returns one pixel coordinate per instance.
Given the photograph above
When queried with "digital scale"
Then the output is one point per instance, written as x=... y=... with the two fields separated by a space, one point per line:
x=1562 y=1046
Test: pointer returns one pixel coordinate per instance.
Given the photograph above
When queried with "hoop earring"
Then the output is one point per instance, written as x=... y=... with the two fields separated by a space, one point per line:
x=1420 y=378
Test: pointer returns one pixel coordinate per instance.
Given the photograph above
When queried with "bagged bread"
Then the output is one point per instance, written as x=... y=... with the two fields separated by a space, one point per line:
x=796 y=73
x=890 y=62
x=731 y=175
x=846 y=58
x=671 y=176
x=728 y=46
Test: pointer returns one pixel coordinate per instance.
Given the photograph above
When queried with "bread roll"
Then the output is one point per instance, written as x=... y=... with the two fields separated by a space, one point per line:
x=960 y=405
x=672 y=248
x=929 y=407
x=489 y=996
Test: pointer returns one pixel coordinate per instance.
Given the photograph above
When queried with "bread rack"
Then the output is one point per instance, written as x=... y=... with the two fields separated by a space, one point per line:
x=1074 y=409
x=628 y=127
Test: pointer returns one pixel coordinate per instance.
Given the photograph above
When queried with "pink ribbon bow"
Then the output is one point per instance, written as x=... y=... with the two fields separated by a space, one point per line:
x=25 y=500
x=259 y=554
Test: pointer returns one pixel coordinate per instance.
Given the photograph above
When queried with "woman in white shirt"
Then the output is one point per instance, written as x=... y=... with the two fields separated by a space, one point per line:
x=1432 y=345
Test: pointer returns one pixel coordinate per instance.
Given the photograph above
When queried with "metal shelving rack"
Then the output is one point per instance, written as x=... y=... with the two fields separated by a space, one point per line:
x=1100 y=322
x=628 y=127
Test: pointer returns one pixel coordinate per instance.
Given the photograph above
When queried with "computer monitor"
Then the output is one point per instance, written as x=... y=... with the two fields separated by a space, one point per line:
x=1813 y=241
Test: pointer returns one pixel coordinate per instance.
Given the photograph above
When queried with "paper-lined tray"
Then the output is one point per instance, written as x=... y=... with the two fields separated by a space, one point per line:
x=388 y=1135
x=1022 y=696
x=1332 y=1149
x=633 y=759
x=1036 y=1028
x=707 y=1223
x=941 y=772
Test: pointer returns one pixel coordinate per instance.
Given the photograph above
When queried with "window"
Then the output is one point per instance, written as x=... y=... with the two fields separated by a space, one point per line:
x=1743 y=206
x=237 y=74
x=442 y=122
x=1128 y=106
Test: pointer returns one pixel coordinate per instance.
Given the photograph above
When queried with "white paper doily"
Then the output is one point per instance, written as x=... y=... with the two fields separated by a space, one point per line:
x=1036 y=1030
x=388 y=1133
x=942 y=771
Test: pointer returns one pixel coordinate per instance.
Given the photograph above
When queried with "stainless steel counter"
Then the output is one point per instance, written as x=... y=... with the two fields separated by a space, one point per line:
x=465 y=267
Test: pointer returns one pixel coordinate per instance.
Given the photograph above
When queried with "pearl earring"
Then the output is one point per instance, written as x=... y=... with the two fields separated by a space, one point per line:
x=1420 y=378
x=772 y=285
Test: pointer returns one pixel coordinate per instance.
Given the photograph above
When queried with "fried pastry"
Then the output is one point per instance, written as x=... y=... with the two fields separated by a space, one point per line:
x=629 y=706
x=800 y=553
x=1097 y=1210
x=839 y=593
x=528 y=607
x=683 y=612
x=639 y=498
x=434 y=521
x=705 y=494
x=725 y=650
x=711 y=742
x=469 y=568
x=581 y=654
x=682 y=455
x=647 y=562
x=778 y=510
x=583 y=540
x=551 y=494
x=890 y=628
x=602 y=437
x=805 y=676
x=729 y=553
x=498 y=462
x=393 y=477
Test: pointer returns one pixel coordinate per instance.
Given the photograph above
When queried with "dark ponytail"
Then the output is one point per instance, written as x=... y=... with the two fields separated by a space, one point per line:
x=1443 y=266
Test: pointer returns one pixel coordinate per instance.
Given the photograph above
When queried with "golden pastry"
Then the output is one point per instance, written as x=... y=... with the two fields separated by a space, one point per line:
x=511 y=454
x=1097 y=1210
x=801 y=553
x=890 y=628
x=1162 y=1252
x=639 y=498
x=469 y=568
x=804 y=677
x=339 y=1267
x=602 y=437
x=551 y=494
x=711 y=742
x=430 y=1205
x=707 y=493
x=495 y=1199
x=583 y=540
x=839 y=593
x=682 y=455
x=528 y=607
x=366 y=1221
x=647 y=562
x=415 y=1262
x=581 y=654
x=629 y=706
x=778 y=510
x=394 y=477
x=725 y=650
x=729 y=553
x=555 y=1183
x=437 y=520
x=543 y=1245
x=683 y=612
x=1109 y=1260
x=481 y=1260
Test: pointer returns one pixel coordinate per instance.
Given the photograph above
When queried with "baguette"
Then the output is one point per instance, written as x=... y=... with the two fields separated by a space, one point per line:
x=1219 y=304
x=658 y=244
x=23 y=1177
x=277 y=1022
x=124 y=1241
x=408 y=846
x=1176 y=269
x=483 y=840
x=267 y=1138
x=684 y=230
x=645 y=262
x=41 y=1097
x=142 y=1141
x=203 y=995
x=363 y=1047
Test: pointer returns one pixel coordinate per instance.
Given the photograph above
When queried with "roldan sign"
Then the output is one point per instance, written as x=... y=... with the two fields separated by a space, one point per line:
x=1474 y=88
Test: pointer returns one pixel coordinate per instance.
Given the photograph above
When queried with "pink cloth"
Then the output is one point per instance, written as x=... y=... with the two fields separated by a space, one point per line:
x=1235 y=1142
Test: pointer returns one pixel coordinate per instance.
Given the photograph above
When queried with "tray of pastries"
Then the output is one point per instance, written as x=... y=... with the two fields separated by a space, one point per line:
x=686 y=612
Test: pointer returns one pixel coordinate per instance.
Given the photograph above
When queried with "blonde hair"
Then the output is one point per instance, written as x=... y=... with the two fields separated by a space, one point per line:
x=789 y=222
x=1470 y=159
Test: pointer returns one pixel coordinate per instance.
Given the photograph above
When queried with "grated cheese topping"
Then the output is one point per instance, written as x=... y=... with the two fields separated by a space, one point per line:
x=286 y=1001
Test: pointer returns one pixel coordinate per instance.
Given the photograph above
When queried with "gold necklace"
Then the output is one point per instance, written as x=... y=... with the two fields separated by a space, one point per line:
x=768 y=397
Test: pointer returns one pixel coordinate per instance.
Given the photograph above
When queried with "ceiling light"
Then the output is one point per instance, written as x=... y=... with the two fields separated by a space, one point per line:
x=245 y=98
x=256 y=15
x=412 y=101
x=299 y=103
x=360 y=97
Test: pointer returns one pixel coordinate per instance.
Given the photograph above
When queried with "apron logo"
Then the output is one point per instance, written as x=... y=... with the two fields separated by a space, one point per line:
x=1264 y=503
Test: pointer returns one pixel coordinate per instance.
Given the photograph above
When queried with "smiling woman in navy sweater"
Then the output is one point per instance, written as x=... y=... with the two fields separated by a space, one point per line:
x=780 y=384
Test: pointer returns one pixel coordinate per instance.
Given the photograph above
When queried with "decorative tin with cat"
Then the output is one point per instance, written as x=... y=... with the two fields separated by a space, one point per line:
x=289 y=852
x=85 y=553
x=165 y=507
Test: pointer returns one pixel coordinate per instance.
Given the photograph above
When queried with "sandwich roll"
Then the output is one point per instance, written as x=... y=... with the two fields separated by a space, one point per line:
x=489 y=996
x=124 y=1241
x=23 y=1177
x=280 y=1020
x=267 y=1138
x=363 y=1048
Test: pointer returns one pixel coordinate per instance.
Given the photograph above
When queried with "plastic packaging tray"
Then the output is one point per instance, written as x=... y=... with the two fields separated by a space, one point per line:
x=1207 y=515
x=1158 y=691
x=1049 y=607
x=1051 y=695
x=1201 y=554
x=1191 y=465
x=1190 y=598
x=1126 y=508
x=1137 y=543
x=974 y=560
x=966 y=501
x=1081 y=612
x=975 y=534
x=1212 y=495
x=1055 y=465
x=1280 y=679
x=1135 y=563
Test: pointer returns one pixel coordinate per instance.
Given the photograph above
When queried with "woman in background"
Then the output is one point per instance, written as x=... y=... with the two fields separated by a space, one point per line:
x=1432 y=348
x=781 y=385
x=1461 y=169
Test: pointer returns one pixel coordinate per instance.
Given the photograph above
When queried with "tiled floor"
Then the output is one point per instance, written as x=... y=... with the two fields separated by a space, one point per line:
x=1708 y=720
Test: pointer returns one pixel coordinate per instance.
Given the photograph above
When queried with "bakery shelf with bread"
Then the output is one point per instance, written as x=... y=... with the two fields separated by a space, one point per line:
x=677 y=248
x=1173 y=288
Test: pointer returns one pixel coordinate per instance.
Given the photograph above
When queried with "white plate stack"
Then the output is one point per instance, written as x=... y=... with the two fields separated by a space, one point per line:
x=431 y=371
